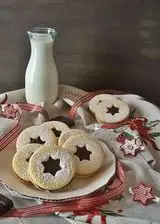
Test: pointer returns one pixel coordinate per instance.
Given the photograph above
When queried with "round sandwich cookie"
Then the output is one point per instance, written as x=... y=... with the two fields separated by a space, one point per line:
x=112 y=111
x=97 y=100
x=56 y=127
x=87 y=152
x=67 y=134
x=36 y=134
x=100 y=122
x=51 y=168
x=20 y=162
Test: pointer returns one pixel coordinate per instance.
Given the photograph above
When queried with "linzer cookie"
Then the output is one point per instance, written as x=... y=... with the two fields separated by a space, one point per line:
x=87 y=152
x=112 y=111
x=20 y=160
x=56 y=127
x=51 y=167
x=97 y=100
x=66 y=135
x=36 y=134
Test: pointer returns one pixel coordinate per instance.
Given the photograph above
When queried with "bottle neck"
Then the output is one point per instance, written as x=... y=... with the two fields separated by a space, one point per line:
x=42 y=46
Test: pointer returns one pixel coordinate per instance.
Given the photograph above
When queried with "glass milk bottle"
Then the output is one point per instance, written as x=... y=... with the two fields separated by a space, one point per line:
x=41 y=78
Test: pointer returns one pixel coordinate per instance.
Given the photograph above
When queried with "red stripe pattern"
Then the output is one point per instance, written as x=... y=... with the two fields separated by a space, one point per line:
x=34 y=108
x=10 y=136
x=88 y=97
x=14 y=132
x=77 y=206
x=83 y=204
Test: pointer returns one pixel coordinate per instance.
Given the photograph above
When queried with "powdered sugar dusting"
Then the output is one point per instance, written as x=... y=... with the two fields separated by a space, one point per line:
x=96 y=157
x=36 y=131
x=20 y=160
x=47 y=180
x=60 y=126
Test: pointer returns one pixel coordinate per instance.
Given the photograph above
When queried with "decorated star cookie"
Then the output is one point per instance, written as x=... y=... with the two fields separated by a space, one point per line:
x=51 y=167
x=143 y=194
x=87 y=152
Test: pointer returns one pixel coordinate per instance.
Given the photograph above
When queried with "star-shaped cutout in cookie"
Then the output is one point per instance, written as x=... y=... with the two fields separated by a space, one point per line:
x=82 y=153
x=112 y=110
x=37 y=140
x=51 y=165
x=143 y=193
x=56 y=132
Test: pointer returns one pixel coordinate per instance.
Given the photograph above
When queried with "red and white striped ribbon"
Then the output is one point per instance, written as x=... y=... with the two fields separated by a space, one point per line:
x=85 y=204
x=14 y=132
x=33 y=108
x=78 y=205
x=88 y=97
x=10 y=136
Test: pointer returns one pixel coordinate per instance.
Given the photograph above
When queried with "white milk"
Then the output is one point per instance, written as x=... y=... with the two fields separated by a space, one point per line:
x=41 y=79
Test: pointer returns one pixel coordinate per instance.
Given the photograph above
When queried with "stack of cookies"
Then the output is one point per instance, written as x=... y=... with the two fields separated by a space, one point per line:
x=49 y=155
x=109 y=109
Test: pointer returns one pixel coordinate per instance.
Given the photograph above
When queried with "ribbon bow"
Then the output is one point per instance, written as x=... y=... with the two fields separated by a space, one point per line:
x=139 y=124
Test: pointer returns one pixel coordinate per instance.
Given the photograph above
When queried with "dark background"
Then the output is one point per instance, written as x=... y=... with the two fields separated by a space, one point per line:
x=101 y=43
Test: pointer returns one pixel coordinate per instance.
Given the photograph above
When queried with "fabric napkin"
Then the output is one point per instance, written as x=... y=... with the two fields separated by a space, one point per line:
x=142 y=168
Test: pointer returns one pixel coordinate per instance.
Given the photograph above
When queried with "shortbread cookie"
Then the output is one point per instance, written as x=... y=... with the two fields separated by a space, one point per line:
x=99 y=121
x=112 y=111
x=97 y=100
x=36 y=134
x=87 y=152
x=66 y=135
x=51 y=167
x=57 y=127
x=21 y=160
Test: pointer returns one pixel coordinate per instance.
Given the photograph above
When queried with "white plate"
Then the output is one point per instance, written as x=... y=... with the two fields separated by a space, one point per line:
x=77 y=188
